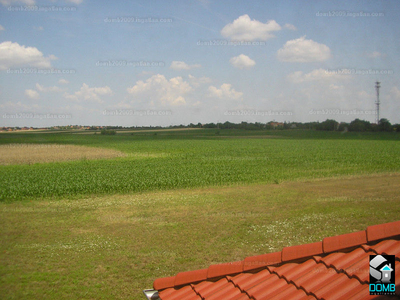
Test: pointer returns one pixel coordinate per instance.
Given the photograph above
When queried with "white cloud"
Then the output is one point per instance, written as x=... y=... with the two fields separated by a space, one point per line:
x=77 y=2
x=2 y=28
x=15 y=55
x=87 y=93
x=38 y=28
x=12 y=2
x=18 y=106
x=245 y=29
x=63 y=81
x=224 y=92
x=242 y=62
x=162 y=91
x=180 y=65
x=290 y=26
x=32 y=94
x=315 y=75
x=196 y=82
x=302 y=50
x=41 y=88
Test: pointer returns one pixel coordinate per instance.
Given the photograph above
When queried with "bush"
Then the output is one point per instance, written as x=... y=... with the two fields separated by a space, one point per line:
x=108 y=132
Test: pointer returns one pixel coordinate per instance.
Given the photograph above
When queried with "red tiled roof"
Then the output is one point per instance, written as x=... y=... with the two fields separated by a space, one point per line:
x=336 y=268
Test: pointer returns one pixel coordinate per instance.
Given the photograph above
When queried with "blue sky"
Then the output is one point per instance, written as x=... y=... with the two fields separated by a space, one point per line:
x=134 y=63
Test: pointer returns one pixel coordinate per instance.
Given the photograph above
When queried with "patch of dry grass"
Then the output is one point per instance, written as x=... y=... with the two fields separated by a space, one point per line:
x=42 y=153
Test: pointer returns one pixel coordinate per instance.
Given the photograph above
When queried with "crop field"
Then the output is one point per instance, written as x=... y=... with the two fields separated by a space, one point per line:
x=155 y=162
x=164 y=202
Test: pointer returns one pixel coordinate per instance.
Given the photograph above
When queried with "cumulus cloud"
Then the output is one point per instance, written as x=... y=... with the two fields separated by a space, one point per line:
x=290 y=26
x=63 y=81
x=91 y=94
x=161 y=90
x=180 y=65
x=12 y=2
x=315 y=75
x=2 y=28
x=32 y=94
x=196 y=82
x=15 y=55
x=77 y=2
x=224 y=92
x=41 y=88
x=302 y=50
x=245 y=29
x=242 y=62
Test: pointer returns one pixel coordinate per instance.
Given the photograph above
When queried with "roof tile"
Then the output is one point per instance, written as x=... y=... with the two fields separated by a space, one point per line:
x=388 y=247
x=225 y=269
x=207 y=288
x=178 y=294
x=382 y=231
x=267 y=288
x=163 y=283
x=259 y=261
x=341 y=242
x=190 y=277
x=301 y=251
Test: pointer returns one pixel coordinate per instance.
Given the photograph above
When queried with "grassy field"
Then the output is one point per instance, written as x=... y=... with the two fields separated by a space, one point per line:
x=179 y=201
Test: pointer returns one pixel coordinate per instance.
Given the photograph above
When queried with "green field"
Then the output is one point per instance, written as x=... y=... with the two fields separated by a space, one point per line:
x=188 y=159
x=182 y=200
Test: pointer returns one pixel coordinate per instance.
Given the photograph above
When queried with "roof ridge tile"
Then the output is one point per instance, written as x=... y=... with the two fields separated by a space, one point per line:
x=301 y=251
x=163 y=283
x=344 y=241
x=260 y=261
x=382 y=231
x=224 y=269
x=190 y=277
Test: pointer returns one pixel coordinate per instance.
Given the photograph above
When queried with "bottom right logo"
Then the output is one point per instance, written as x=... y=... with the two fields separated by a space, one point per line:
x=382 y=275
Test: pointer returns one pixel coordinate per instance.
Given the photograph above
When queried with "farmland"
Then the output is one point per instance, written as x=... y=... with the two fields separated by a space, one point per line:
x=175 y=201
x=156 y=162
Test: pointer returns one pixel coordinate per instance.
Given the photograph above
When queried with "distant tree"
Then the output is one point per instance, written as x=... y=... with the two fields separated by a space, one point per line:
x=327 y=125
x=343 y=126
x=384 y=125
x=396 y=127
x=360 y=125
x=210 y=125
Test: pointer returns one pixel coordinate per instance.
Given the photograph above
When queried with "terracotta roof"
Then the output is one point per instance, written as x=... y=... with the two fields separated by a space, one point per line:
x=336 y=268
